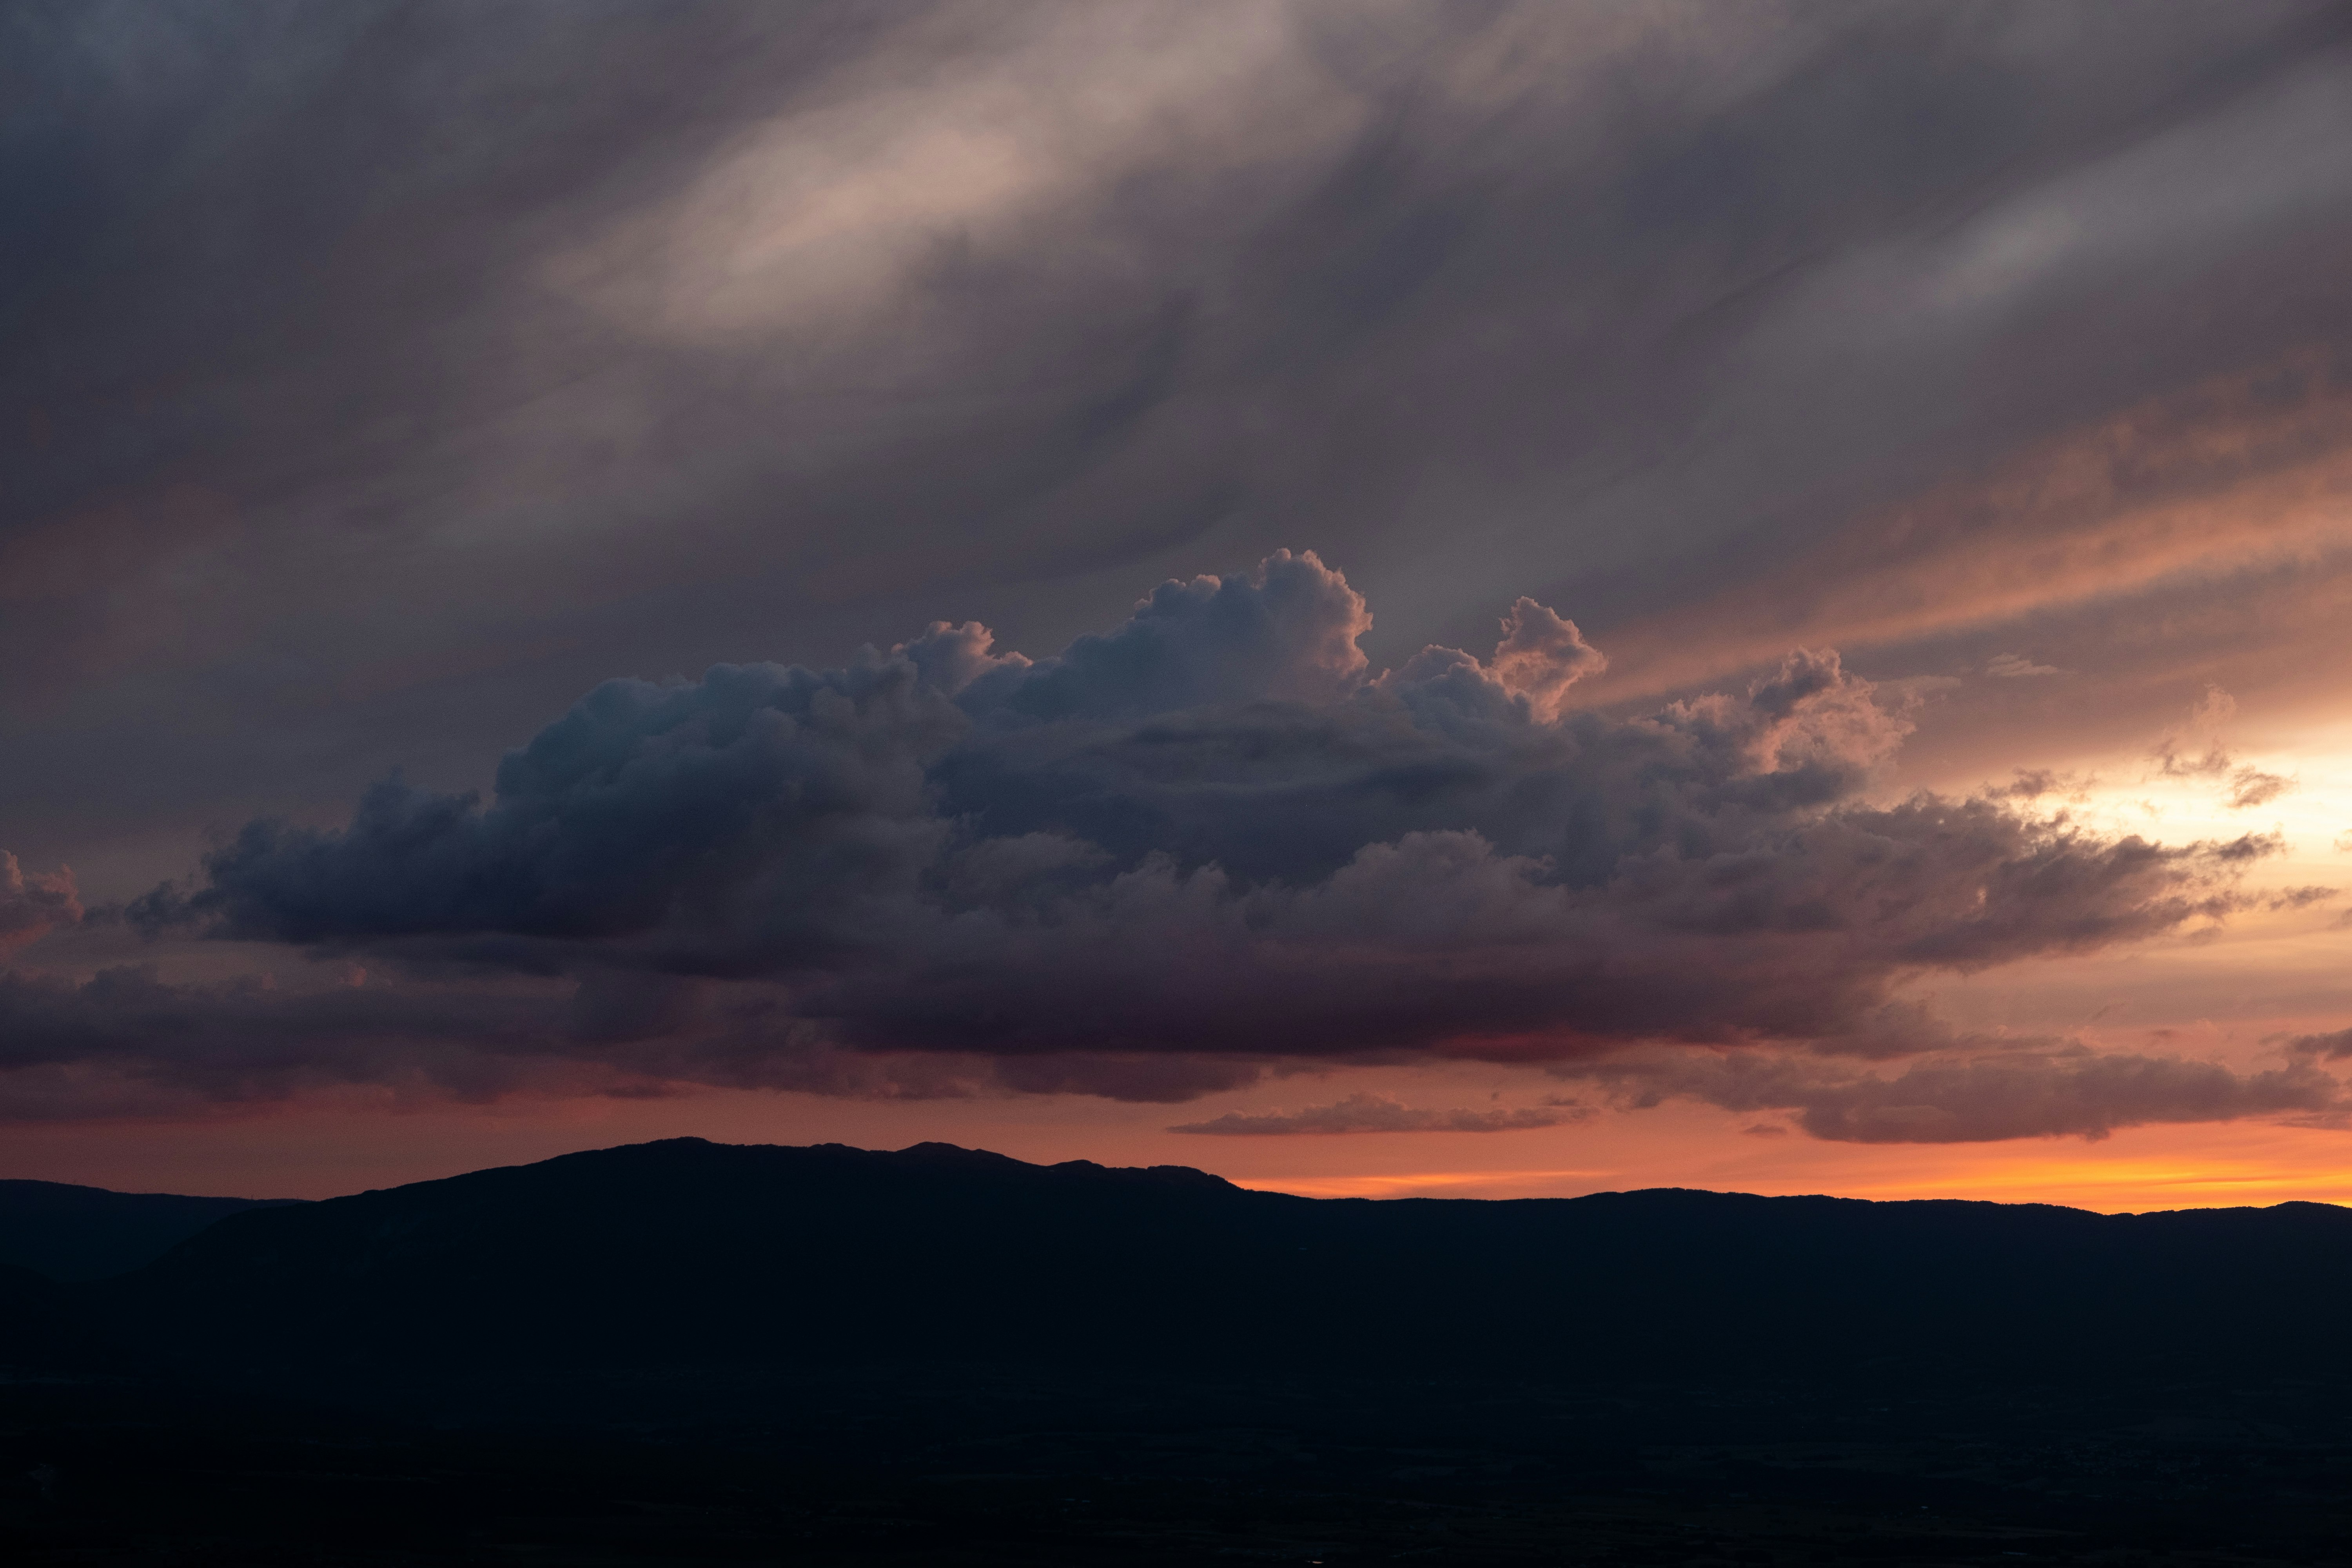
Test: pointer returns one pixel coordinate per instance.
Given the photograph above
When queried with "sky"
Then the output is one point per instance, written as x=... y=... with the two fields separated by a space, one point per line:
x=1475 y=599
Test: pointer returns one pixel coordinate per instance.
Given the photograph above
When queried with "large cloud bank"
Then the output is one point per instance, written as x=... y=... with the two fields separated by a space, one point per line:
x=1209 y=839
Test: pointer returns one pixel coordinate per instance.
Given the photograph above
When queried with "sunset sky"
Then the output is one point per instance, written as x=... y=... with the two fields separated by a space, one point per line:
x=1475 y=599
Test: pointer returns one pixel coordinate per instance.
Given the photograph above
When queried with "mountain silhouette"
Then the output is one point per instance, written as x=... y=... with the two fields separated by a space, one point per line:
x=684 y=1253
x=685 y=1350
x=72 y=1233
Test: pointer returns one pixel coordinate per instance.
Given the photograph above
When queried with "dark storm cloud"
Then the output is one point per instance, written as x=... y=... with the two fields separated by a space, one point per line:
x=1211 y=838
x=382 y=374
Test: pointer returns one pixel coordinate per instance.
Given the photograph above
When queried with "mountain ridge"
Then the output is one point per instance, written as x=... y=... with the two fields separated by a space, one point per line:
x=828 y=1336
x=686 y=1251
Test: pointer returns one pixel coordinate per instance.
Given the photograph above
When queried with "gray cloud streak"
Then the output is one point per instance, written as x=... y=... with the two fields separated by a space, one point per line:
x=1377 y=1113
x=2017 y=1092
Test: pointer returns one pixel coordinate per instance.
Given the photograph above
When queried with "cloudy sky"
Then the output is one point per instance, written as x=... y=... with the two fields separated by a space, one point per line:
x=1424 y=597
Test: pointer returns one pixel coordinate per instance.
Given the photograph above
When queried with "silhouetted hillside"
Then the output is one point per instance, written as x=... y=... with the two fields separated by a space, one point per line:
x=46 y=1331
x=685 y=1252
x=87 y=1233
x=687 y=1352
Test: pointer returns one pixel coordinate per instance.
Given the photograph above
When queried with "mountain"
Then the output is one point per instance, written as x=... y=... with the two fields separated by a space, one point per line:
x=71 y=1233
x=45 y=1332
x=693 y=1351
x=685 y=1253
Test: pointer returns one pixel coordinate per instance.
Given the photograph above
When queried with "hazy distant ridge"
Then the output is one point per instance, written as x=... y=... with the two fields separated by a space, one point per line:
x=73 y=1233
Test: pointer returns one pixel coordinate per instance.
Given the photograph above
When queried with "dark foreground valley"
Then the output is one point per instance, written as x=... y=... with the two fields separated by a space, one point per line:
x=688 y=1353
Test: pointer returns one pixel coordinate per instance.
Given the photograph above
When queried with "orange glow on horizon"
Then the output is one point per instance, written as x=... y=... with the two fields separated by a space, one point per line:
x=2133 y=1187
x=2207 y=1174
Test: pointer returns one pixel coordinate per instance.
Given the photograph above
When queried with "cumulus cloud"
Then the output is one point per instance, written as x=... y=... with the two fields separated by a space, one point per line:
x=1284 y=633
x=1209 y=839
x=1377 y=1113
x=1541 y=656
x=32 y=906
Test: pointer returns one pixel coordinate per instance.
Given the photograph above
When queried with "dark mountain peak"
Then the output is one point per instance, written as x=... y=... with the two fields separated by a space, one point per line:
x=950 y=1156
x=676 y=1195
x=1175 y=1176
x=698 y=1158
